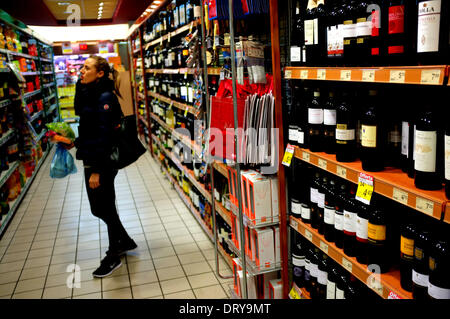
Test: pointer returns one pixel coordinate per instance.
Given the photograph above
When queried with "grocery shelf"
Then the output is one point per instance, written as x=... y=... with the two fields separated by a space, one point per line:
x=36 y=115
x=221 y=168
x=52 y=107
x=5 y=175
x=141 y=96
x=47 y=72
x=253 y=223
x=171 y=34
x=211 y=71
x=392 y=183
x=29 y=73
x=23 y=55
x=226 y=215
x=40 y=136
x=181 y=106
x=5 y=138
x=15 y=204
x=425 y=75
x=137 y=51
x=191 y=144
x=143 y=120
x=386 y=285
x=48 y=85
x=48 y=98
x=4 y=103
x=46 y=60
x=30 y=94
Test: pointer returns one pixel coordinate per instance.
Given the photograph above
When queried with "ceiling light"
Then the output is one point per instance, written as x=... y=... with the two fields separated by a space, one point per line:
x=157 y=1
x=148 y=10
x=64 y=3
x=101 y=3
x=153 y=6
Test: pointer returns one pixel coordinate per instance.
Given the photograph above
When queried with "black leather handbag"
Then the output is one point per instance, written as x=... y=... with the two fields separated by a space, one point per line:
x=127 y=147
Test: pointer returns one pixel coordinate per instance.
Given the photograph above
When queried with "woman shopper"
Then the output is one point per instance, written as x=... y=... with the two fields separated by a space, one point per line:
x=99 y=110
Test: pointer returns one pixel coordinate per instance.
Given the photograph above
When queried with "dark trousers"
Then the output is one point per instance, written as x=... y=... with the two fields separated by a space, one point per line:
x=103 y=205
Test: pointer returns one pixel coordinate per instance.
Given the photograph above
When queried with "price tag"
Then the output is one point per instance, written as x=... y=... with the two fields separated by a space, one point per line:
x=424 y=205
x=430 y=77
x=294 y=223
x=186 y=111
x=288 y=154
x=287 y=74
x=308 y=235
x=365 y=188
x=346 y=75
x=368 y=75
x=400 y=196
x=321 y=74
x=341 y=172
x=161 y=40
x=306 y=157
x=374 y=284
x=185 y=75
x=322 y=164
x=347 y=264
x=397 y=76
x=324 y=247
x=191 y=26
x=168 y=37
x=393 y=295
x=294 y=294
x=304 y=74
x=170 y=106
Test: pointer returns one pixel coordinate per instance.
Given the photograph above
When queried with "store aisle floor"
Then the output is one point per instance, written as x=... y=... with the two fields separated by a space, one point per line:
x=53 y=230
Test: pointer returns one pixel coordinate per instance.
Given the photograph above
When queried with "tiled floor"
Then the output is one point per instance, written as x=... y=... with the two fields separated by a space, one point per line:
x=53 y=230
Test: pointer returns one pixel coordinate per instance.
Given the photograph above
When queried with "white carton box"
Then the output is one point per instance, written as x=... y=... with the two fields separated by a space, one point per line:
x=277 y=245
x=264 y=247
x=260 y=198
x=251 y=285
x=276 y=289
x=264 y=286
x=274 y=193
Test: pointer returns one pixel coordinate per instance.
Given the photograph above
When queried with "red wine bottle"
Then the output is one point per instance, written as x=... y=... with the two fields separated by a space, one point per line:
x=439 y=263
x=362 y=222
x=350 y=215
x=339 y=216
x=314 y=200
x=321 y=203
x=315 y=123
x=377 y=239
x=345 y=130
x=420 y=273
x=329 y=211
x=398 y=32
x=329 y=124
x=408 y=234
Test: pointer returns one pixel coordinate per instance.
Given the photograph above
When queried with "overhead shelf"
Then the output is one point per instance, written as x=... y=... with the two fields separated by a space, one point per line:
x=179 y=105
x=386 y=285
x=424 y=75
x=48 y=85
x=143 y=120
x=23 y=55
x=171 y=34
x=5 y=138
x=47 y=72
x=36 y=115
x=52 y=108
x=211 y=71
x=221 y=168
x=46 y=60
x=392 y=183
x=30 y=94
x=4 y=103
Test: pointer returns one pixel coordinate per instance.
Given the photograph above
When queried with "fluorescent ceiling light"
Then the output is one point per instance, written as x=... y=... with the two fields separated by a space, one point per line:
x=153 y=6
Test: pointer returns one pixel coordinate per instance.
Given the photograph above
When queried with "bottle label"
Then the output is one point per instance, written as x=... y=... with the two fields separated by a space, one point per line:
x=321 y=199
x=322 y=277
x=397 y=49
x=349 y=222
x=293 y=134
x=396 y=19
x=447 y=157
x=309 y=32
x=184 y=92
x=329 y=117
x=296 y=55
x=438 y=292
x=405 y=138
x=314 y=195
x=369 y=136
x=339 y=40
x=376 y=232
x=315 y=116
x=197 y=12
x=306 y=213
x=316 y=31
x=342 y=134
x=363 y=28
x=428 y=26
x=425 y=151
x=420 y=279
x=329 y=215
x=330 y=41
x=331 y=290
x=407 y=246
x=296 y=209
x=349 y=29
x=313 y=269
x=361 y=228
x=338 y=221
x=339 y=293
x=298 y=261
x=301 y=137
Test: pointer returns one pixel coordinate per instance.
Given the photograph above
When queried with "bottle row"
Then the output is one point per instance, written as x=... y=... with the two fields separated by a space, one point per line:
x=176 y=14
x=370 y=32
x=372 y=233
x=391 y=128
x=175 y=118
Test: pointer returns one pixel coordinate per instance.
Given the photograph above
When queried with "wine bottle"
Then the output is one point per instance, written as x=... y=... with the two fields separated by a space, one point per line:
x=362 y=222
x=447 y=159
x=363 y=33
x=376 y=235
x=376 y=42
x=322 y=277
x=352 y=290
x=372 y=148
x=297 y=53
x=341 y=286
x=420 y=272
x=407 y=255
x=301 y=101
x=321 y=203
x=329 y=121
x=314 y=200
x=309 y=28
x=314 y=269
x=350 y=32
x=331 y=282
x=439 y=263
x=350 y=215
x=426 y=175
x=320 y=32
x=293 y=191
x=305 y=196
x=307 y=273
x=345 y=130
x=315 y=121
x=394 y=142
x=298 y=261
x=329 y=210
x=339 y=216
x=432 y=32
x=398 y=32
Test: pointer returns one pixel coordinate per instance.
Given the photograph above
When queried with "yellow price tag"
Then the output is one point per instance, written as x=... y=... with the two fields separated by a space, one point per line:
x=294 y=224
x=341 y=171
x=368 y=75
x=294 y=294
x=306 y=157
x=287 y=74
x=397 y=76
x=346 y=75
x=322 y=164
x=430 y=76
x=365 y=188
x=288 y=154
x=347 y=264
x=308 y=235
x=321 y=74
x=425 y=205
x=400 y=196
x=304 y=74
x=324 y=247
x=186 y=111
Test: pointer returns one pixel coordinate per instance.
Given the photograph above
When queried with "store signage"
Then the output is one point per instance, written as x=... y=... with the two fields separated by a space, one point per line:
x=83 y=46
x=67 y=48
x=103 y=48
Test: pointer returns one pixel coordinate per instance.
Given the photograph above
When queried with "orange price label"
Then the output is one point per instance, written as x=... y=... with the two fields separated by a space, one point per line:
x=306 y=157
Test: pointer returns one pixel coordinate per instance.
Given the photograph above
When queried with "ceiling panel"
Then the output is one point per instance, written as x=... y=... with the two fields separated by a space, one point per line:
x=88 y=8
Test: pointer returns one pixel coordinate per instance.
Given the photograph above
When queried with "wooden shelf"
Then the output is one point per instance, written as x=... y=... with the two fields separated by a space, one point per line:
x=143 y=120
x=211 y=71
x=221 y=168
x=392 y=183
x=424 y=75
x=386 y=284
x=226 y=215
x=181 y=106
x=171 y=34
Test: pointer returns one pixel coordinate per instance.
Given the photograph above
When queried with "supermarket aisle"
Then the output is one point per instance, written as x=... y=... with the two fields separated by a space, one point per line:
x=54 y=229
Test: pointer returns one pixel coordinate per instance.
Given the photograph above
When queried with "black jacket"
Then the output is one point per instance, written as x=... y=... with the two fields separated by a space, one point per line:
x=99 y=111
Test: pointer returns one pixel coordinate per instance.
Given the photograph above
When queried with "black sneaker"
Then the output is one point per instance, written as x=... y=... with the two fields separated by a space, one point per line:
x=107 y=266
